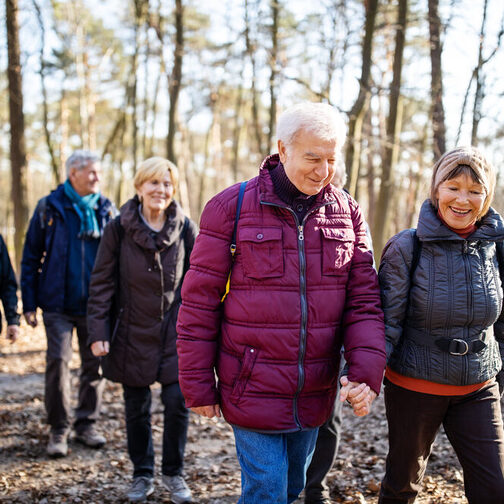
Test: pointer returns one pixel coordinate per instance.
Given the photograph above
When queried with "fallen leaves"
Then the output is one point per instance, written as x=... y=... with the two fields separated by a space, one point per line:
x=102 y=476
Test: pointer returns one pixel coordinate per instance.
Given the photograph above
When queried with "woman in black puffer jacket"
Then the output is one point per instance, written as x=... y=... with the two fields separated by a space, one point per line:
x=132 y=311
x=442 y=298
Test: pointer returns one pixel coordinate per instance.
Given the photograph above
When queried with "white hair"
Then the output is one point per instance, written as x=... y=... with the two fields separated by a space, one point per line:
x=319 y=118
x=80 y=159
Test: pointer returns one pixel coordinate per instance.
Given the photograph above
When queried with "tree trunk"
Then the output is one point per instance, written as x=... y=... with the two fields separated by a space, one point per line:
x=275 y=8
x=175 y=80
x=250 y=48
x=480 y=80
x=385 y=198
x=64 y=114
x=237 y=133
x=45 y=106
x=436 y=49
x=17 y=127
x=356 y=116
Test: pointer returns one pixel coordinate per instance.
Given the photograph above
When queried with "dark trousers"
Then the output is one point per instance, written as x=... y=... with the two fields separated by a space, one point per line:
x=473 y=425
x=138 y=427
x=59 y=329
x=316 y=489
x=326 y=449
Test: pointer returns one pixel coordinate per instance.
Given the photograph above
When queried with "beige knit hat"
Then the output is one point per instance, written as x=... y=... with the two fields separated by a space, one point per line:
x=469 y=156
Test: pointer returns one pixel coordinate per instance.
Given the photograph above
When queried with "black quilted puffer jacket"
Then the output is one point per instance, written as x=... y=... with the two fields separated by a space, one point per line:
x=444 y=322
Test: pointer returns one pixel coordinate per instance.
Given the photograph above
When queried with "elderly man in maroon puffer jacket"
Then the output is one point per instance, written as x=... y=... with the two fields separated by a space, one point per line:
x=302 y=285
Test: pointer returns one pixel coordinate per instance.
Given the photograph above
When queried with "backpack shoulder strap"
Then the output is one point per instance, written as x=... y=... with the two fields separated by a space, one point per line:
x=183 y=237
x=42 y=210
x=118 y=227
x=417 y=248
x=232 y=247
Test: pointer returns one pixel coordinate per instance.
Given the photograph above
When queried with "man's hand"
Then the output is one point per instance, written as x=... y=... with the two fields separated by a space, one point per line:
x=359 y=395
x=208 y=411
x=31 y=318
x=12 y=333
x=100 y=348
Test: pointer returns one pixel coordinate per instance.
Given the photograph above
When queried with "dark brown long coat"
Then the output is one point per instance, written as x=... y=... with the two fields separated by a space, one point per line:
x=135 y=295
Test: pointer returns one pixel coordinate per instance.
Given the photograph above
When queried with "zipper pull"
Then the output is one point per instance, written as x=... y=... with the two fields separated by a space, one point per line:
x=300 y=233
x=465 y=248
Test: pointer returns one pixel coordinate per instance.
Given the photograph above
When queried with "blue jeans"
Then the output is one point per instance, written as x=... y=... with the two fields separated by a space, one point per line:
x=273 y=466
x=138 y=428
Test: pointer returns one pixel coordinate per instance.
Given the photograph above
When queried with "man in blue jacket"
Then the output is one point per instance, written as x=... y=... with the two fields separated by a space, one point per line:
x=58 y=257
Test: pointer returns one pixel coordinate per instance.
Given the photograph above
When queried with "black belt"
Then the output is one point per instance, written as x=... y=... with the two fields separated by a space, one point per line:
x=453 y=346
x=457 y=346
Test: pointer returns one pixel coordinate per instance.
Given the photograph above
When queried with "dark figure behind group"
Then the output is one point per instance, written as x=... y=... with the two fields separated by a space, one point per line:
x=262 y=323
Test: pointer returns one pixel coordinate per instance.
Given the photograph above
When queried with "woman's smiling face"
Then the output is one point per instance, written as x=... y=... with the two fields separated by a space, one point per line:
x=460 y=201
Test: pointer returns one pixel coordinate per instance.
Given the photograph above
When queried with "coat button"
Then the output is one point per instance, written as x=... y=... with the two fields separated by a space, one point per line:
x=260 y=236
x=299 y=208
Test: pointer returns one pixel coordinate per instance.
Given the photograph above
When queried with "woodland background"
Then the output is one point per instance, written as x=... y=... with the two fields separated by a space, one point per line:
x=202 y=83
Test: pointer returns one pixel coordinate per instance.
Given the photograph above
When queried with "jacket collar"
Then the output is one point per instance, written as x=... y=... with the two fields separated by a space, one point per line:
x=431 y=228
x=142 y=235
x=59 y=201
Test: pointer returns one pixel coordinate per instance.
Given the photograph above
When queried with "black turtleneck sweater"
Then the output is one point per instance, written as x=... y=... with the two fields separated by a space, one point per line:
x=289 y=193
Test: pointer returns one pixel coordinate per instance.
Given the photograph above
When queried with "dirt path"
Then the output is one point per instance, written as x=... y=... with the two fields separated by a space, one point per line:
x=87 y=476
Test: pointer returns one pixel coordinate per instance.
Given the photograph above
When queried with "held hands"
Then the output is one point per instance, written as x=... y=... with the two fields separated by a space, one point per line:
x=100 y=348
x=208 y=411
x=359 y=395
x=31 y=318
x=12 y=333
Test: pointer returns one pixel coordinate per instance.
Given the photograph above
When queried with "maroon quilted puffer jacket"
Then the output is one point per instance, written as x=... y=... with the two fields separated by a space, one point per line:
x=298 y=292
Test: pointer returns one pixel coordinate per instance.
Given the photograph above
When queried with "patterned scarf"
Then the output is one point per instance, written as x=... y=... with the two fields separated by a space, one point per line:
x=84 y=206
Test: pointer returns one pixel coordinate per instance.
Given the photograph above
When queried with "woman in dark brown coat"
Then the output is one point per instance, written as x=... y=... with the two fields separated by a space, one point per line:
x=132 y=311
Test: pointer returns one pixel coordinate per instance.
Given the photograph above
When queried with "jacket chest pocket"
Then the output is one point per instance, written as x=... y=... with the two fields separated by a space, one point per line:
x=261 y=251
x=337 y=250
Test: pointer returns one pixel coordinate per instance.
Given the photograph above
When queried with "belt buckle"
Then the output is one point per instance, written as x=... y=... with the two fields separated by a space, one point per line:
x=466 y=347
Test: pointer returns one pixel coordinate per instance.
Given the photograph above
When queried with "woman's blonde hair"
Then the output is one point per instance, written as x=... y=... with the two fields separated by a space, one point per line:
x=470 y=161
x=156 y=167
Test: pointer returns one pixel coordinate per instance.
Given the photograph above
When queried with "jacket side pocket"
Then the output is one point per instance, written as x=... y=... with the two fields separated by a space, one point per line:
x=248 y=361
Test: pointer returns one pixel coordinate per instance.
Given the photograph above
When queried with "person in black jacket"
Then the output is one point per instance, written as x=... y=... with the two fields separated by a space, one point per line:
x=442 y=291
x=132 y=310
x=8 y=293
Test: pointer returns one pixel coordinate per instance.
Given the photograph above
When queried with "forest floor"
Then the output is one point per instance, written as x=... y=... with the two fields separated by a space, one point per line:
x=89 y=476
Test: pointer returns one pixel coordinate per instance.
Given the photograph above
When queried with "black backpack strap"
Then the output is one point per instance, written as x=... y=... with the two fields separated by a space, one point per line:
x=183 y=237
x=232 y=247
x=417 y=248
x=41 y=209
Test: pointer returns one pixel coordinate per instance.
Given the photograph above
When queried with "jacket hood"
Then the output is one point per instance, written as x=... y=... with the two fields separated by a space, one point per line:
x=267 y=191
x=431 y=228
x=142 y=235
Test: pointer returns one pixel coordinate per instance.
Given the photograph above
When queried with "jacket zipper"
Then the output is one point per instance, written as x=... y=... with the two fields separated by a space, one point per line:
x=465 y=252
x=302 y=293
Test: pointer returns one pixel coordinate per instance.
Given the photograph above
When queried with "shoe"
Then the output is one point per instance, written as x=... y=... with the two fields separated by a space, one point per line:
x=90 y=437
x=57 y=445
x=140 y=489
x=179 y=491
